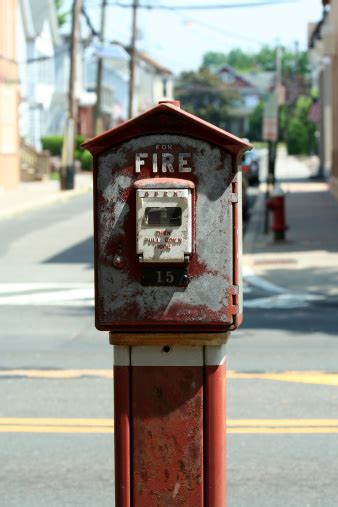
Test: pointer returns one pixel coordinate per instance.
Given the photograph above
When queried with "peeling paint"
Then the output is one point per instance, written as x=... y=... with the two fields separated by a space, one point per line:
x=123 y=298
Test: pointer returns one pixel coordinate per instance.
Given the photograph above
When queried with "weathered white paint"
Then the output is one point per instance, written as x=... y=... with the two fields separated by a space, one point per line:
x=167 y=356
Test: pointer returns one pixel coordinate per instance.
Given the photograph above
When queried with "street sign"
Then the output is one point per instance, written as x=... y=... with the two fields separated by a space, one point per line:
x=270 y=118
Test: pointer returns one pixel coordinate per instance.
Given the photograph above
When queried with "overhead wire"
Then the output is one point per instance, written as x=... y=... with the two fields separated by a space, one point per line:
x=241 y=5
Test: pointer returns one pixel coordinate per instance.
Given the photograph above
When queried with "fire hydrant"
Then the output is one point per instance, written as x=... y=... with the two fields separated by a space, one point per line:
x=276 y=204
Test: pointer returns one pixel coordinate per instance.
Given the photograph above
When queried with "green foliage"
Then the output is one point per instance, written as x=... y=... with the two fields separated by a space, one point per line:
x=256 y=123
x=61 y=14
x=53 y=144
x=213 y=59
x=293 y=62
x=300 y=130
x=86 y=161
x=205 y=95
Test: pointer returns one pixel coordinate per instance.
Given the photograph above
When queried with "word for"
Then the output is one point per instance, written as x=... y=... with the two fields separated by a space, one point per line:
x=164 y=162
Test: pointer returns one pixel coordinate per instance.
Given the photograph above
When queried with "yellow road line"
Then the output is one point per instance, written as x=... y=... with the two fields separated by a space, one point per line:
x=106 y=426
x=56 y=429
x=302 y=377
x=282 y=431
x=53 y=421
x=53 y=425
x=281 y=422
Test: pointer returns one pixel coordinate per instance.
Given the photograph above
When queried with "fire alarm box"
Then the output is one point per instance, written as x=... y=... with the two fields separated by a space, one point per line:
x=164 y=220
x=167 y=225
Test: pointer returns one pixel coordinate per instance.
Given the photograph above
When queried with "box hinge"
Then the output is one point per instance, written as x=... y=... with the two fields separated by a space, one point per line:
x=234 y=299
x=234 y=197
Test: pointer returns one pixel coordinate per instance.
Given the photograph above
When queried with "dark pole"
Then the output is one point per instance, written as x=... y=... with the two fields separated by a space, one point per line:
x=67 y=162
x=132 y=62
x=98 y=106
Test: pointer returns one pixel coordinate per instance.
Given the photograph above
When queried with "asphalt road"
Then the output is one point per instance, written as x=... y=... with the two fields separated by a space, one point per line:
x=55 y=367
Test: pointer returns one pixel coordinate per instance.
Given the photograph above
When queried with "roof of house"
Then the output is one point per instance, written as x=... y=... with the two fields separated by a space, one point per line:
x=166 y=118
x=34 y=15
x=261 y=81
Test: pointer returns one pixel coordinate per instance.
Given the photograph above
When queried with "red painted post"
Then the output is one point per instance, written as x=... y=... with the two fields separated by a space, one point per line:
x=215 y=435
x=122 y=425
x=167 y=426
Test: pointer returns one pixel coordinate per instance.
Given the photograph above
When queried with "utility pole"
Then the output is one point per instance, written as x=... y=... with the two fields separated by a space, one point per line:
x=98 y=112
x=132 y=62
x=270 y=131
x=67 y=161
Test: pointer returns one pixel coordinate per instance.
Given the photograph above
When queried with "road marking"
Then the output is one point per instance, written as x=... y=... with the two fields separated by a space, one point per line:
x=106 y=426
x=250 y=277
x=56 y=374
x=284 y=301
x=82 y=294
x=55 y=425
x=47 y=294
x=301 y=377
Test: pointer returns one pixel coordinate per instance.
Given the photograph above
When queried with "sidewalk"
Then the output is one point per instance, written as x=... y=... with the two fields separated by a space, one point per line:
x=307 y=262
x=34 y=195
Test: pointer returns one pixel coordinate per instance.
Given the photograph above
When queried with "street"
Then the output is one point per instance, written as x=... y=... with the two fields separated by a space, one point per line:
x=56 y=426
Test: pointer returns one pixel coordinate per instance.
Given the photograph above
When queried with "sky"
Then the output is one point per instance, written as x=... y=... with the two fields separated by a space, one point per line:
x=178 y=39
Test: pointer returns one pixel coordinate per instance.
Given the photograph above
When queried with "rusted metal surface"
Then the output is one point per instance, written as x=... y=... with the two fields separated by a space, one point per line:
x=122 y=426
x=123 y=302
x=215 y=429
x=168 y=338
x=210 y=298
x=167 y=436
x=167 y=119
x=170 y=430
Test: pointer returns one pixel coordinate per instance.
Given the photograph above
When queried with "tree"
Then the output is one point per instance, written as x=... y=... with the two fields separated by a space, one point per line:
x=256 y=123
x=61 y=14
x=204 y=94
x=300 y=130
x=293 y=62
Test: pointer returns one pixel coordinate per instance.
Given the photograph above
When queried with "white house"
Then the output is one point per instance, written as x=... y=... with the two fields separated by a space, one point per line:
x=39 y=43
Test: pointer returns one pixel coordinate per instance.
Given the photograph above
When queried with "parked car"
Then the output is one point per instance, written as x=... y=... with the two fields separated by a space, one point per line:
x=245 y=200
x=250 y=166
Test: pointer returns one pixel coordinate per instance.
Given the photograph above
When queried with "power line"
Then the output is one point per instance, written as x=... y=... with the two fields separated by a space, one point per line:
x=242 y=5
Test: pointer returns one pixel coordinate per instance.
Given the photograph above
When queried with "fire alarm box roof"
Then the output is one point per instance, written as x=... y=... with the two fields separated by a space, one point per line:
x=166 y=118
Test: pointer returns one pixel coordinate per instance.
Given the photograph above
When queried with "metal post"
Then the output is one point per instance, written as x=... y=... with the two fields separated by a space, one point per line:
x=132 y=62
x=215 y=428
x=98 y=107
x=122 y=425
x=67 y=160
x=170 y=431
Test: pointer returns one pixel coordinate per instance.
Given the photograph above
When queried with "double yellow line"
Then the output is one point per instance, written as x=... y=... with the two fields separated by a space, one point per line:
x=104 y=426
x=59 y=425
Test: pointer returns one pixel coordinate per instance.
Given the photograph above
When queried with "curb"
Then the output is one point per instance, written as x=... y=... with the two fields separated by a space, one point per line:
x=61 y=196
x=256 y=222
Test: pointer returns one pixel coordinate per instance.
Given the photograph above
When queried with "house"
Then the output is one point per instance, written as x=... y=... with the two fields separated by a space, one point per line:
x=114 y=87
x=39 y=45
x=251 y=89
x=323 y=52
x=153 y=82
x=9 y=85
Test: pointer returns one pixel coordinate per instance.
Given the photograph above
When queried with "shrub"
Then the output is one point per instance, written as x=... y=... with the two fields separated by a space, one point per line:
x=54 y=145
x=297 y=137
x=86 y=161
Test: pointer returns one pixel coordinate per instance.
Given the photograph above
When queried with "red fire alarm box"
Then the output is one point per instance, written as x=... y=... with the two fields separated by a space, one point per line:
x=167 y=207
